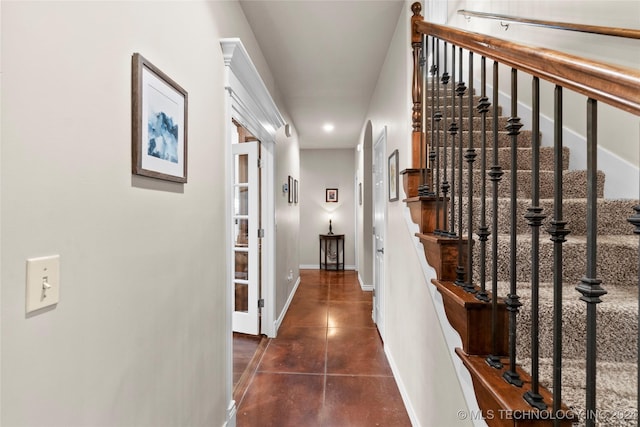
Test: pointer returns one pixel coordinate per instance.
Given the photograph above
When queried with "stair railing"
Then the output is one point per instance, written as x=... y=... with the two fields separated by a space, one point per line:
x=600 y=82
x=629 y=33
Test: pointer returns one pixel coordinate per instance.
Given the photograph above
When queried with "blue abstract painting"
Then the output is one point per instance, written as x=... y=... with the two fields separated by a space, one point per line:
x=163 y=137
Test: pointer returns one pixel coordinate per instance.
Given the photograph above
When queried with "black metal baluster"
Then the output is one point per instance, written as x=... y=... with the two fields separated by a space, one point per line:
x=453 y=131
x=535 y=217
x=437 y=117
x=513 y=300
x=470 y=157
x=589 y=286
x=558 y=237
x=445 y=180
x=495 y=175
x=432 y=152
x=483 y=230
x=460 y=90
x=423 y=188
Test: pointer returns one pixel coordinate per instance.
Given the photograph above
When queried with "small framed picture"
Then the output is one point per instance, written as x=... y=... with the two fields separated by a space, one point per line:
x=291 y=189
x=159 y=128
x=331 y=195
x=393 y=176
x=295 y=191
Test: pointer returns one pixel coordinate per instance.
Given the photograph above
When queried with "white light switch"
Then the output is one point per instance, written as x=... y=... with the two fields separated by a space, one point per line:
x=43 y=282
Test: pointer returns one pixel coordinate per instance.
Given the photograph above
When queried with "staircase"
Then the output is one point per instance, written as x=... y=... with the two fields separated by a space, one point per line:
x=543 y=288
x=617 y=266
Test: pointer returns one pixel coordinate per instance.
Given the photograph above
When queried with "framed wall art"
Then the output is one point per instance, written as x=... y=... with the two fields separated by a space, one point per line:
x=159 y=128
x=393 y=176
x=331 y=195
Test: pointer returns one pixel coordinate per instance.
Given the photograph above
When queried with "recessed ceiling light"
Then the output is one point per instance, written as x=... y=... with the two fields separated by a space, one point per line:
x=328 y=127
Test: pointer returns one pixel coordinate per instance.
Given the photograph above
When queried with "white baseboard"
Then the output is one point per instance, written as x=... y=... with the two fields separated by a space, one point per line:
x=231 y=415
x=415 y=422
x=280 y=318
x=363 y=285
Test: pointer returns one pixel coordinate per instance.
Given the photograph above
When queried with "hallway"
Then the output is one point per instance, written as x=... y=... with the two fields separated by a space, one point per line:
x=327 y=366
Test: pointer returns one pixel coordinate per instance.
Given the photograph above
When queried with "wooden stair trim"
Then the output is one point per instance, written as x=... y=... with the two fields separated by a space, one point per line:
x=471 y=318
x=442 y=254
x=423 y=212
x=411 y=178
x=500 y=400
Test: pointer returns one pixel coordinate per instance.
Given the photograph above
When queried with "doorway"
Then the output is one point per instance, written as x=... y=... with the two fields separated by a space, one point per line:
x=249 y=103
x=246 y=225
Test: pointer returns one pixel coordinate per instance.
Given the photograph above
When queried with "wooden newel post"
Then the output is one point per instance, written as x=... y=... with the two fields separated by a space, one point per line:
x=417 y=149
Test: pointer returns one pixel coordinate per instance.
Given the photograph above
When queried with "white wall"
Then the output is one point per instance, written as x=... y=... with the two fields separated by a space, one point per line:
x=287 y=220
x=139 y=335
x=322 y=169
x=414 y=340
x=364 y=211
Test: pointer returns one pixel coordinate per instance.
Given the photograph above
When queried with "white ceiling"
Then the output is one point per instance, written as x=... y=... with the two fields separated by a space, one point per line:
x=325 y=57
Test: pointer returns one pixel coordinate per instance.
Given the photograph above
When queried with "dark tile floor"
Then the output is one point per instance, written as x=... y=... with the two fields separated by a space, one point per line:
x=327 y=366
x=244 y=347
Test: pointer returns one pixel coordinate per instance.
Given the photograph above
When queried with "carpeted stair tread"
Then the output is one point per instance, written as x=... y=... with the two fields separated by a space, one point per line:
x=446 y=109
x=615 y=389
x=573 y=184
x=477 y=123
x=612 y=215
x=504 y=140
x=446 y=95
x=617 y=328
x=617 y=259
x=504 y=159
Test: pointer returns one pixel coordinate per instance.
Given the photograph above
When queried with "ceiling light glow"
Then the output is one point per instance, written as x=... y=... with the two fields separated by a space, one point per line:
x=328 y=127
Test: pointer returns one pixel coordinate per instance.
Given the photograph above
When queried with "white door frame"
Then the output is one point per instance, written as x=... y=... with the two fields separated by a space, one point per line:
x=248 y=102
x=380 y=227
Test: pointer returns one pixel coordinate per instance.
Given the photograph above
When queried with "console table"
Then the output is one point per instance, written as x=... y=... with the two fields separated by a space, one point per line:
x=331 y=251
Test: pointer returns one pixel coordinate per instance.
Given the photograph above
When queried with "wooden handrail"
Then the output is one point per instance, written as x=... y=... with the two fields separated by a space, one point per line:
x=569 y=26
x=614 y=85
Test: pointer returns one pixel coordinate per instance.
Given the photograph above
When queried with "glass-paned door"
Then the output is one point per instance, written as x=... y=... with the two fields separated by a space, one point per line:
x=245 y=249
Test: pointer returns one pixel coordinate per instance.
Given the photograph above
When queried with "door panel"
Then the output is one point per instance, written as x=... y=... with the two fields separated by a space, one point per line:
x=245 y=250
x=379 y=227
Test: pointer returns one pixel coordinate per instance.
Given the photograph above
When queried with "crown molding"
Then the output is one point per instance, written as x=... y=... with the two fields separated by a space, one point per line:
x=251 y=101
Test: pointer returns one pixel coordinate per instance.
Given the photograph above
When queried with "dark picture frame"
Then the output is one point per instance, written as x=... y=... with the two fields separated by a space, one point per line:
x=331 y=195
x=159 y=110
x=393 y=176
x=295 y=191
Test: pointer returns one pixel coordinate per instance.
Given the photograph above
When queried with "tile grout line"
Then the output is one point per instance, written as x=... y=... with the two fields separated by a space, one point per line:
x=326 y=350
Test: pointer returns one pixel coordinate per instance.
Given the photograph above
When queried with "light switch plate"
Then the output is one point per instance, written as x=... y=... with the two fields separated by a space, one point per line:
x=43 y=282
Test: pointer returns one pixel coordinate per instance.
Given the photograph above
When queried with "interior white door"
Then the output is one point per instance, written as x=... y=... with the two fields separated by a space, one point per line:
x=245 y=219
x=379 y=228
